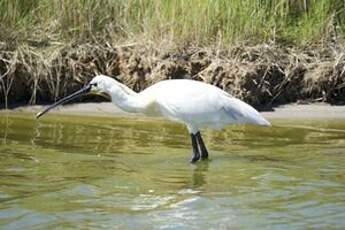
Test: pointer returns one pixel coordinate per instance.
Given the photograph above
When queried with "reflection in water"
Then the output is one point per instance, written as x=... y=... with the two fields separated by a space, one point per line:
x=84 y=172
x=199 y=174
x=5 y=126
x=144 y=133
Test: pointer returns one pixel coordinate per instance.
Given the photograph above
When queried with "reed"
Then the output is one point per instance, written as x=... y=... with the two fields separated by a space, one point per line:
x=198 y=21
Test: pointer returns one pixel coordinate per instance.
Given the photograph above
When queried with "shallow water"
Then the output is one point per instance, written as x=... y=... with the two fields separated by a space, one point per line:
x=71 y=172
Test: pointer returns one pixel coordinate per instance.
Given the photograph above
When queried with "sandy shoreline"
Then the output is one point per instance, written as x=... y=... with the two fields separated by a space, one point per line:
x=290 y=111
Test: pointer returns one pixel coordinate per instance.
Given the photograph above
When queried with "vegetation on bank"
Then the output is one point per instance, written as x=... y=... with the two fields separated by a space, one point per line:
x=50 y=48
x=198 y=21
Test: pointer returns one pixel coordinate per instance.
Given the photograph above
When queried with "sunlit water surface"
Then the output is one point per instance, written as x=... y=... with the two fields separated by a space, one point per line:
x=129 y=173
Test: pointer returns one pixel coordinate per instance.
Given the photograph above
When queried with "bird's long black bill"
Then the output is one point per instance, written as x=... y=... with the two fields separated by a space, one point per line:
x=79 y=93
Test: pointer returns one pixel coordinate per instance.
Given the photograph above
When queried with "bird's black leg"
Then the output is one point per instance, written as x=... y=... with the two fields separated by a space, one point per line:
x=196 y=153
x=203 y=149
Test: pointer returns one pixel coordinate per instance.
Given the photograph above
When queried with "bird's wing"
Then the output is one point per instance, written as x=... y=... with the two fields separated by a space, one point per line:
x=151 y=107
x=168 y=110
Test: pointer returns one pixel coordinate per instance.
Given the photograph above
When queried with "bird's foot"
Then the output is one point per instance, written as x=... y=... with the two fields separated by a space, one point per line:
x=195 y=158
x=204 y=155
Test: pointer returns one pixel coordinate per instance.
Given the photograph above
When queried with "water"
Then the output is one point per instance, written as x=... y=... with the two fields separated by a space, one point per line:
x=70 y=172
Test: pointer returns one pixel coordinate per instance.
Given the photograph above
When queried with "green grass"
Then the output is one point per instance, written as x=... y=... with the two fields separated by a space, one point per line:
x=203 y=22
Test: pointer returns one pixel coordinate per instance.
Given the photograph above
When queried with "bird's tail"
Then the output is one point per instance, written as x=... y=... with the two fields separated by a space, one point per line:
x=245 y=113
x=264 y=122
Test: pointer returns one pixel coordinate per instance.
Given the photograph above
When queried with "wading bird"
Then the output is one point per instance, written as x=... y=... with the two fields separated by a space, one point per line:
x=193 y=103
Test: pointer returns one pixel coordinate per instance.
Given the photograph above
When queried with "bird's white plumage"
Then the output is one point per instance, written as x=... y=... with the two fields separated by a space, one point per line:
x=194 y=103
x=200 y=105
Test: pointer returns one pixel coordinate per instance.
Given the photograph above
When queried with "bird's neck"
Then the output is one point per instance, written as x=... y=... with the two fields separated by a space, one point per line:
x=126 y=99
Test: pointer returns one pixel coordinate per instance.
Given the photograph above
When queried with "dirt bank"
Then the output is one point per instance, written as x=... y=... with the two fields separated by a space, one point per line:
x=290 y=111
x=263 y=75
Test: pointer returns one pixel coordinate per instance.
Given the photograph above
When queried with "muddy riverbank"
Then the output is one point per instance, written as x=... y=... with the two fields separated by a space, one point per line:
x=262 y=75
x=290 y=111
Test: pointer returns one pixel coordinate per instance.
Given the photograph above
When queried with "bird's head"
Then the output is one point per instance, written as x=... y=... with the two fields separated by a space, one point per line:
x=99 y=85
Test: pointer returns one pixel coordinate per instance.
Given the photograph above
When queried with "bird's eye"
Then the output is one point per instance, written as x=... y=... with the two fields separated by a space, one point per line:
x=94 y=84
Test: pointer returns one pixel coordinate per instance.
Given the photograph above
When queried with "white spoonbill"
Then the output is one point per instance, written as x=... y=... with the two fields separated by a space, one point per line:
x=193 y=103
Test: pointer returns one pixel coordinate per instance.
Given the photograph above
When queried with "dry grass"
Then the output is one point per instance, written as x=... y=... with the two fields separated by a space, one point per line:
x=49 y=49
x=263 y=75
